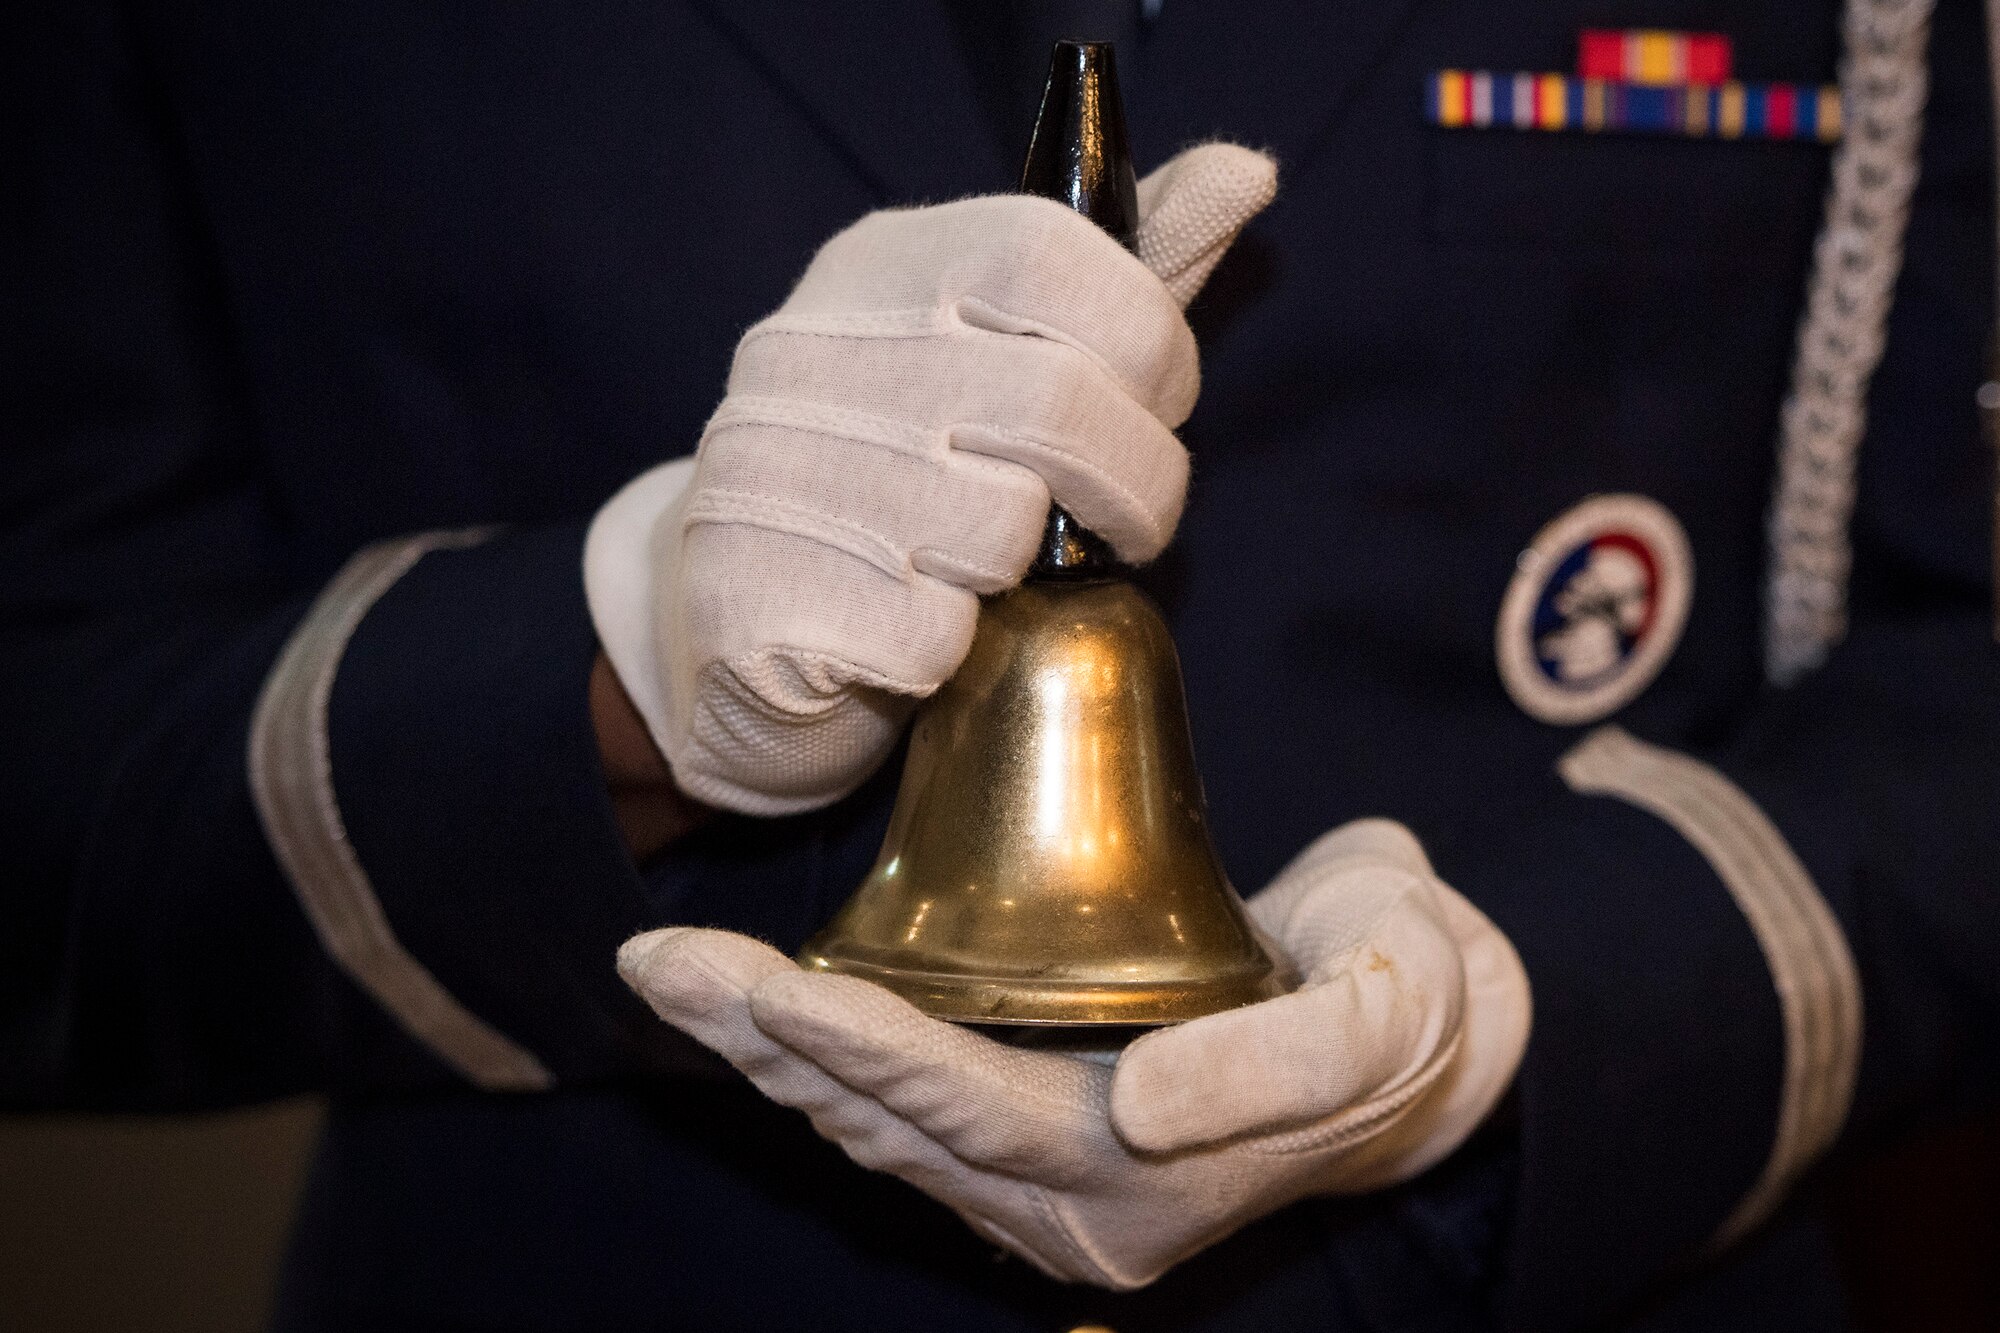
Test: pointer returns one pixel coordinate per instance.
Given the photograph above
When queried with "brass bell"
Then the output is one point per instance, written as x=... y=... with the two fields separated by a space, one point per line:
x=1048 y=860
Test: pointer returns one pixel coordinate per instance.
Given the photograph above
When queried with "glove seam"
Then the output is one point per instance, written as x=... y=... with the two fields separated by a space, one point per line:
x=725 y=420
x=1081 y=1254
x=1156 y=538
x=930 y=443
x=725 y=506
x=722 y=506
x=748 y=411
x=911 y=325
x=1062 y=338
x=901 y=322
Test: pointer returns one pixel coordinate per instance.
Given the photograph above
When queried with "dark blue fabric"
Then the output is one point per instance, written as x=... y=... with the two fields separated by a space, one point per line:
x=285 y=280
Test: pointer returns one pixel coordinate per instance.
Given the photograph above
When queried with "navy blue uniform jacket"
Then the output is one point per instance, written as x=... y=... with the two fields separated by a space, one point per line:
x=283 y=280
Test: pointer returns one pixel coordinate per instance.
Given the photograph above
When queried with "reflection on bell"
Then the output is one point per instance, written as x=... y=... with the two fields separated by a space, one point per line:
x=1048 y=860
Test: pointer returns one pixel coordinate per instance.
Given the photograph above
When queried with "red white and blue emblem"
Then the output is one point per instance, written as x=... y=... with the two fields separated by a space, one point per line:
x=1596 y=606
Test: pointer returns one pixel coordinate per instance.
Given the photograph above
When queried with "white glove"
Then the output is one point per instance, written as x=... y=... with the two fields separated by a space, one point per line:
x=887 y=451
x=1408 y=1027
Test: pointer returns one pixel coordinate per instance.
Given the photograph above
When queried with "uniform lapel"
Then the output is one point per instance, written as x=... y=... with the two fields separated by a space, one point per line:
x=1274 y=76
x=884 y=80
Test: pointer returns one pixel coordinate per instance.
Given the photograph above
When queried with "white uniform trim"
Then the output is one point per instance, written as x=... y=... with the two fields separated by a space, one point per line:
x=1883 y=83
x=1819 y=990
x=291 y=780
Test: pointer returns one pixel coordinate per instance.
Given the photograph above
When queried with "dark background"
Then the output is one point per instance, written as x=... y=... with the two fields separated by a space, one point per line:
x=176 y=1223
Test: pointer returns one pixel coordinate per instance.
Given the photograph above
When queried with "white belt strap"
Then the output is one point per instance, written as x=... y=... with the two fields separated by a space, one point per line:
x=291 y=780
x=1883 y=83
x=1819 y=990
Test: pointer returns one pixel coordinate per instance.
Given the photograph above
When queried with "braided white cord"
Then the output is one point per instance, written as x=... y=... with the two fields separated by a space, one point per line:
x=1883 y=83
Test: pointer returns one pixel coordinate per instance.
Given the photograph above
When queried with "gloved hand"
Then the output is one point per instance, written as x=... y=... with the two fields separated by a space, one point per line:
x=887 y=451
x=1408 y=1027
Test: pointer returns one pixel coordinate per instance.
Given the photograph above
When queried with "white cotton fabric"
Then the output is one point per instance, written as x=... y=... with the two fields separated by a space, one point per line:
x=1409 y=1025
x=886 y=453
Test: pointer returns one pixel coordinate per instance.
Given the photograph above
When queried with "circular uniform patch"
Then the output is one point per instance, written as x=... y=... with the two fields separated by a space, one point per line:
x=1597 y=604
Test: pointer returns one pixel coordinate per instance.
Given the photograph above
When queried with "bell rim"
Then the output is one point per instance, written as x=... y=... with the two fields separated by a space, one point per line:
x=1014 y=1001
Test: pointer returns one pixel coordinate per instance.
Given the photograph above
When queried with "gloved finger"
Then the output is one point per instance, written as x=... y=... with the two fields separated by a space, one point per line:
x=1492 y=1039
x=798 y=642
x=1499 y=1005
x=880 y=1140
x=1026 y=1113
x=1358 y=843
x=773 y=733
x=1055 y=411
x=802 y=683
x=1366 y=1037
x=887 y=493
x=700 y=981
x=1193 y=206
x=1011 y=263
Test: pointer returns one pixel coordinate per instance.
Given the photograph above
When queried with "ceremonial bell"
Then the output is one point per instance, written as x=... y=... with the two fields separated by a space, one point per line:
x=1048 y=860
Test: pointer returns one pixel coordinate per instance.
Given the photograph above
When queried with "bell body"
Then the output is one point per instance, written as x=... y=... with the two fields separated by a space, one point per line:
x=1048 y=860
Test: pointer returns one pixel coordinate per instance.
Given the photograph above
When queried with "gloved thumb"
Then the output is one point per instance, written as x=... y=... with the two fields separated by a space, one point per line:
x=1192 y=207
x=1374 y=1025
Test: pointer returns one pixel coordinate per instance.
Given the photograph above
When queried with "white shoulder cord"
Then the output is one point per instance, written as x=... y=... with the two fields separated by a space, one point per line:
x=1883 y=82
